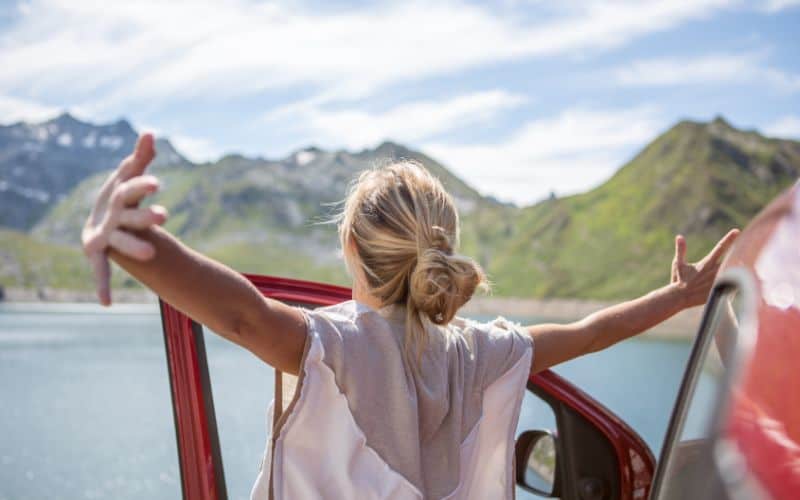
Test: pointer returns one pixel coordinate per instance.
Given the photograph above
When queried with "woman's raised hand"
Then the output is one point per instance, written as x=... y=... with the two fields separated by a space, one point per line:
x=696 y=280
x=116 y=212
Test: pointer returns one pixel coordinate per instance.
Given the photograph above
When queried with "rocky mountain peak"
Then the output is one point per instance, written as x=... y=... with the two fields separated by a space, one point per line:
x=719 y=122
x=41 y=162
x=65 y=119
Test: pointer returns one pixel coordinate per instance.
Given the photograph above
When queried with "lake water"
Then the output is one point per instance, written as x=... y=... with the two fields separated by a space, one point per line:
x=85 y=408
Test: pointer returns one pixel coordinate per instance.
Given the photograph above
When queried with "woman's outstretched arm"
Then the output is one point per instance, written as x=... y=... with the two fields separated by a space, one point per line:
x=207 y=291
x=690 y=285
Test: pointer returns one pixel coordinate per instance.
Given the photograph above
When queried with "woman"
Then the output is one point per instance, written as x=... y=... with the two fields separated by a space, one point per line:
x=397 y=397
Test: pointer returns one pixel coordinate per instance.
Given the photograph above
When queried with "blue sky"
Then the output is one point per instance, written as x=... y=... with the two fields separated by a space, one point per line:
x=520 y=98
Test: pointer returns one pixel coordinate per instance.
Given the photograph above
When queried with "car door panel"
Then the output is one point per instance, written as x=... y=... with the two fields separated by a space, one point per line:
x=600 y=455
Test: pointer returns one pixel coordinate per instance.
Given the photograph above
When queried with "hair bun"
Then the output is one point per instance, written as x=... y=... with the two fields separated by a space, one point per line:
x=440 y=240
x=441 y=283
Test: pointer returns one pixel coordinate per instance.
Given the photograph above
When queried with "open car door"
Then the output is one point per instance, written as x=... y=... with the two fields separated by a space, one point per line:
x=592 y=454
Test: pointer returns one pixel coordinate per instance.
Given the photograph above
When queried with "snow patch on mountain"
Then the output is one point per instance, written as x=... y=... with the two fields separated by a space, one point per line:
x=90 y=140
x=40 y=133
x=36 y=195
x=64 y=140
x=304 y=157
x=112 y=142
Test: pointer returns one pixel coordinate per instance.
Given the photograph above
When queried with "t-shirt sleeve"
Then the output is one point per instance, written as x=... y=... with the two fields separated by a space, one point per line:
x=500 y=345
x=330 y=330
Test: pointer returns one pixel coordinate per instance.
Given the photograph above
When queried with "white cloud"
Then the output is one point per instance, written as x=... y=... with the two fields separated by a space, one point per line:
x=787 y=127
x=708 y=69
x=14 y=109
x=778 y=5
x=145 y=55
x=196 y=149
x=409 y=122
x=567 y=153
x=148 y=52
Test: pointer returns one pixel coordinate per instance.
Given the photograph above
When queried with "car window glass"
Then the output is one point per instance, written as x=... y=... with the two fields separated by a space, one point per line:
x=688 y=457
x=242 y=387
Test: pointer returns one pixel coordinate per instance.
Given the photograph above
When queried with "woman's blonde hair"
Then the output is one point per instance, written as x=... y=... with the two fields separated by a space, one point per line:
x=404 y=229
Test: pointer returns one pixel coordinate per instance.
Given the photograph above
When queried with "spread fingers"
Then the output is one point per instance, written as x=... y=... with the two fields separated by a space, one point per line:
x=131 y=246
x=142 y=218
x=142 y=155
x=132 y=191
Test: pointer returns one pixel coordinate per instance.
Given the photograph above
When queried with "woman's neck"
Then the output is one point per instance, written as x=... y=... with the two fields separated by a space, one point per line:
x=361 y=294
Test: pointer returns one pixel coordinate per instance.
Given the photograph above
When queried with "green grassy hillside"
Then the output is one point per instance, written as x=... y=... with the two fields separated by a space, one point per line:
x=617 y=240
x=28 y=263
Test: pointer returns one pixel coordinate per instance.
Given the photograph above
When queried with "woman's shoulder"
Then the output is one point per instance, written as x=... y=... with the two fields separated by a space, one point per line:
x=347 y=313
x=497 y=345
x=350 y=323
x=497 y=328
x=346 y=309
x=336 y=320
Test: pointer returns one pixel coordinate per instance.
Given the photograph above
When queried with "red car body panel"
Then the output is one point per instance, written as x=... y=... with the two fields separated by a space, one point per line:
x=199 y=476
x=636 y=461
x=763 y=418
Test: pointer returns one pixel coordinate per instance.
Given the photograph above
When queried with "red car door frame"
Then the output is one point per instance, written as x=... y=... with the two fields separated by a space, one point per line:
x=202 y=475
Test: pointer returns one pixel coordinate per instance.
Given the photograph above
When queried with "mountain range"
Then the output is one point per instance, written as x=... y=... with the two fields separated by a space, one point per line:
x=269 y=215
x=41 y=163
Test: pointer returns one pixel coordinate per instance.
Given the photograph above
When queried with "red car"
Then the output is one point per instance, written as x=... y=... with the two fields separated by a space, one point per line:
x=744 y=353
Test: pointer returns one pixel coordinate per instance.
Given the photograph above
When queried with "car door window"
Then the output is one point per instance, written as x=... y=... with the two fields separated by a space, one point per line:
x=688 y=455
x=242 y=386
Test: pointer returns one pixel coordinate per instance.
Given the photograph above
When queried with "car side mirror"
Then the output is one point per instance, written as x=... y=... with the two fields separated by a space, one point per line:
x=536 y=462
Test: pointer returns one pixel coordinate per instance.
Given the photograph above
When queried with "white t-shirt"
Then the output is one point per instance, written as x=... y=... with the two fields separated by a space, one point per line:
x=369 y=422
